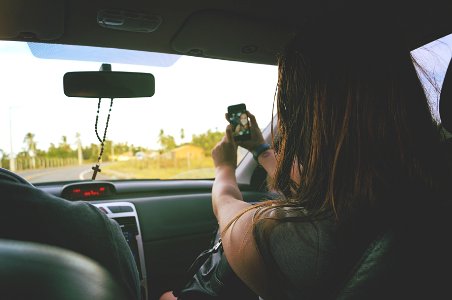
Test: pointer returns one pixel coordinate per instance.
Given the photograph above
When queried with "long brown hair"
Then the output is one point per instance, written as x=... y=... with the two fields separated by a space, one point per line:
x=352 y=112
x=353 y=115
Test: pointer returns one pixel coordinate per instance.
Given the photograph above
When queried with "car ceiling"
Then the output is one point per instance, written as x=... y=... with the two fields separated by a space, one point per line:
x=251 y=31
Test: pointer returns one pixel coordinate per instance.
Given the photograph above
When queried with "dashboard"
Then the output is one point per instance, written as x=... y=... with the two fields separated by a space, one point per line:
x=166 y=223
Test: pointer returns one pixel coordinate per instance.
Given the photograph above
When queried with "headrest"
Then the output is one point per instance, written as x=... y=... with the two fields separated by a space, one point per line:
x=445 y=101
x=10 y=176
x=31 y=270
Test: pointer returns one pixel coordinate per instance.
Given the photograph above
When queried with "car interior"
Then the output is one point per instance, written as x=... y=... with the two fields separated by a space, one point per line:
x=168 y=221
x=52 y=273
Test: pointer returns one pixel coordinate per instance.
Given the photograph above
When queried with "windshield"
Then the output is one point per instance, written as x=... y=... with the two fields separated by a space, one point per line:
x=47 y=136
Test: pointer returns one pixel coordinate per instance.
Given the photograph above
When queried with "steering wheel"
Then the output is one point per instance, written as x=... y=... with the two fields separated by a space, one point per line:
x=4 y=173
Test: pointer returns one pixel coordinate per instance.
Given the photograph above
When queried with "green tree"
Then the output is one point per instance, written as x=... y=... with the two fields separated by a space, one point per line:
x=207 y=140
x=52 y=151
x=121 y=148
x=30 y=152
x=136 y=149
x=2 y=156
x=64 y=149
x=107 y=150
x=167 y=142
x=91 y=152
x=30 y=143
x=23 y=154
x=182 y=135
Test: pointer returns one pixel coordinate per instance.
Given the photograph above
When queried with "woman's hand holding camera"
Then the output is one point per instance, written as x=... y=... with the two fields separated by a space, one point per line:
x=256 y=135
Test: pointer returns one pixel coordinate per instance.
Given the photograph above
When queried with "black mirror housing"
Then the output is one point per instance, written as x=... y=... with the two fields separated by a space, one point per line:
x=108 y=84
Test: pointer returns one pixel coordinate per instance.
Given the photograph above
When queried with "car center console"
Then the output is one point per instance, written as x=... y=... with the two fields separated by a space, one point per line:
x=126 y=215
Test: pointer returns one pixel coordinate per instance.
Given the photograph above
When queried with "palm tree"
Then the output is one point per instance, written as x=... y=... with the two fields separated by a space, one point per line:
x=1 y=157
x=182 y=135
x=79 y=149
x=31 y=147
x=30 y=142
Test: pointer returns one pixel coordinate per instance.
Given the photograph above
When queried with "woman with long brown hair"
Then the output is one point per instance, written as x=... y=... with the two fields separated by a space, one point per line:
x=359 y=154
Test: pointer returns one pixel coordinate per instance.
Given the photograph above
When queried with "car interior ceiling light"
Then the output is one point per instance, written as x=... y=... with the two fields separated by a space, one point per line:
x=128 y=20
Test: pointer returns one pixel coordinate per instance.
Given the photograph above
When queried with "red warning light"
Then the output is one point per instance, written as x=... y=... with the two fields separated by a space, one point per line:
x=91 y=193
x=87 y=191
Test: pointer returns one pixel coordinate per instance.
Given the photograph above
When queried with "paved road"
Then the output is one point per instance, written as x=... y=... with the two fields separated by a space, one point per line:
x=62 y=174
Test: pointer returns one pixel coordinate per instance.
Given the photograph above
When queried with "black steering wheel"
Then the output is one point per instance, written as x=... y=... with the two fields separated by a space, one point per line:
x=7 y=174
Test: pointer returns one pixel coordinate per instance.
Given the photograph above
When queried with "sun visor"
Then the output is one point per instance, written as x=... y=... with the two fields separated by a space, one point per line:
x=99 y=54
x=41 y=20
x=225 y=36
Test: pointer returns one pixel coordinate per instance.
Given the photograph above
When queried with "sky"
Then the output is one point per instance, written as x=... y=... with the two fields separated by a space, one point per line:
x=192 y=94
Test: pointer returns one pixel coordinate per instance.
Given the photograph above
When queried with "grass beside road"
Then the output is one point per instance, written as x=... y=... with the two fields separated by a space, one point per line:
x=161 y=169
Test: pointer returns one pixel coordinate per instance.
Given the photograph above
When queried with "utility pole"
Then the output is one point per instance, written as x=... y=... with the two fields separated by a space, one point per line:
x=12 y=159
x=79 y=149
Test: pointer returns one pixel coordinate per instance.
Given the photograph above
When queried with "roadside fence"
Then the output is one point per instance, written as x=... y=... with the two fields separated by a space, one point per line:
x=39 y=163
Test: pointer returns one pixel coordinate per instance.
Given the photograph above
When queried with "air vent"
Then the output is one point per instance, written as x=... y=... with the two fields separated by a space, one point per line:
x=128 y=222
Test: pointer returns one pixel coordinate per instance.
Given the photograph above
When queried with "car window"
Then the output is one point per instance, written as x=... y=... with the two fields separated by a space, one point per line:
x=434 y=58
x=47 y=136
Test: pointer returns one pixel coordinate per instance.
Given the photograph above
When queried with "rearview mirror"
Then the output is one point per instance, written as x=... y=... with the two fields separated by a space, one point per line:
x=108 y=84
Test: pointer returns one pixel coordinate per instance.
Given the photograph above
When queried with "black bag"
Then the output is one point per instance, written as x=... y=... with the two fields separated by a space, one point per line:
x=211 y=277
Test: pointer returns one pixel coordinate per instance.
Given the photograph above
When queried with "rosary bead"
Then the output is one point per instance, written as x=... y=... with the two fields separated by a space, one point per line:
x=102 y=141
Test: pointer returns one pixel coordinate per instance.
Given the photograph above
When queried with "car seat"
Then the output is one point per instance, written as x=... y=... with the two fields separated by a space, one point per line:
x=8 y=175
x=37 y=271
x=412 y=261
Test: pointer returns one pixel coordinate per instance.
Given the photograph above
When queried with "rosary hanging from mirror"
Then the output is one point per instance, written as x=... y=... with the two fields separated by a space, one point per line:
x=96 y=168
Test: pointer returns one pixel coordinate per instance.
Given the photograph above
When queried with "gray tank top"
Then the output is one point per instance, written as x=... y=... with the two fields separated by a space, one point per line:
x=306 y=259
